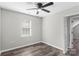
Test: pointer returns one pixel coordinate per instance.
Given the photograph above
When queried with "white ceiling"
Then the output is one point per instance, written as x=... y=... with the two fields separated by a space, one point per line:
x=22 y=6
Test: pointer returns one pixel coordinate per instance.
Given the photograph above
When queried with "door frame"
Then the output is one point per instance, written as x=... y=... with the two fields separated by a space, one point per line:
x=68 y=31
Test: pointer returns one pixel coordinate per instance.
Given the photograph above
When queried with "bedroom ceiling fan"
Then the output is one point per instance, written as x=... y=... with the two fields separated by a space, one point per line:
x=40 y=6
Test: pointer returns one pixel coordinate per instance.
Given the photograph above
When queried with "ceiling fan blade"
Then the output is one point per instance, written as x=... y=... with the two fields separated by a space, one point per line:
x=48 y=4
x=32 y=9
x=45 y=10
x=37 y=12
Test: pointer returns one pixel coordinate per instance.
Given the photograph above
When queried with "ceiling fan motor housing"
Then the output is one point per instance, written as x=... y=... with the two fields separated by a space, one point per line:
x=39 y=5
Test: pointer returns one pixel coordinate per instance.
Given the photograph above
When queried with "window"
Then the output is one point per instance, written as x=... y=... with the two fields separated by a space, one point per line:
x=26 y=29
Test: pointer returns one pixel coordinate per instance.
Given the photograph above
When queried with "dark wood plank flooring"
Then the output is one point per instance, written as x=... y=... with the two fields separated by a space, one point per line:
x=39 y=49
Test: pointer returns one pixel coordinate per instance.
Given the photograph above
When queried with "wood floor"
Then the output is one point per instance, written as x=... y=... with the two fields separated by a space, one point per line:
x=39 y=49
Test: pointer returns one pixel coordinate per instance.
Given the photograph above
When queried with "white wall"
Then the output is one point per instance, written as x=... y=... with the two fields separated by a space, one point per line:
x=0 y=29
x=12 y=22
x=53 y=27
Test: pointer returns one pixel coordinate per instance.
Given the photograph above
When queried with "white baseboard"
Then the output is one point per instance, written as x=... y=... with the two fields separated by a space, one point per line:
x=31 y=44
x=18 y=47
x=54 y=46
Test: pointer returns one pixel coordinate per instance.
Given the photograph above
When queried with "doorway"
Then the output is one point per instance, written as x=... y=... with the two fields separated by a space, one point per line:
x=71 y=33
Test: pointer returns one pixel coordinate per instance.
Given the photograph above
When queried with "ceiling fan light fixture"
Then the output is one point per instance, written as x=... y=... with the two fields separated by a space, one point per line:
x=39 y=9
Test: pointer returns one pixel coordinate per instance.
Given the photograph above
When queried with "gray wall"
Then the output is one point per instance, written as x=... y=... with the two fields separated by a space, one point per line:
x=12 y=26
x=53 y=27
x=0 y=29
